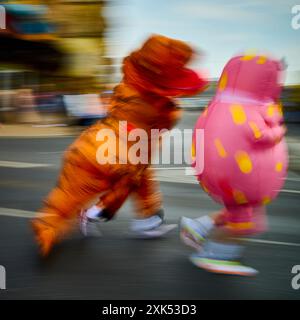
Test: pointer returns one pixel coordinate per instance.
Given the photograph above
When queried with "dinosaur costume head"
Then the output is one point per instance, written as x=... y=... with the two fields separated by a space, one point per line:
x=159 y=67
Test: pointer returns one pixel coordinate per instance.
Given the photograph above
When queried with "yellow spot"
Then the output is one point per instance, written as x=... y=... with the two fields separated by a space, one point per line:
x=221 y=151
x=255 y=129
x=238 y=114
x=205 y=112
x=279 y=166
x=271 y=110
x=204 y=187
x=239 y=197
x=193 y=151
x=277 y=140
x=244 y=162
x=261 y=60
x=223 y=82
x=280 y=108
x=248 y=57
x=240 y=225
x=266 y=200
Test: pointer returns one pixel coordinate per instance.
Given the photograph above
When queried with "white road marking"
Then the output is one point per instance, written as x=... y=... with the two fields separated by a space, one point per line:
x=292 y=179
x=182 y=180
x=280 y=243
x=51 y=152
x=295 y=177
x=177 y=180
x=50 y=125
x=189 y=172
x=39 y=136
x=16 y=213
x=31 y=214
x=14 y=164
x=290 y=191
x=169 y=168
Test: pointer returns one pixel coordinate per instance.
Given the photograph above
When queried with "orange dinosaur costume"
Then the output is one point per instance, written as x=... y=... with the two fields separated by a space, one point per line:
x=152 y=75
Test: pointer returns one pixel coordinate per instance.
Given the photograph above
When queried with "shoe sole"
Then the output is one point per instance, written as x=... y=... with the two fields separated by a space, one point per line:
x=155 y=233
x=238 y=270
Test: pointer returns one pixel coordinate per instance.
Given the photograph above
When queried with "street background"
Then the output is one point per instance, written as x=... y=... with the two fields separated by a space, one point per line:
x=59 y=62
x=118 y=267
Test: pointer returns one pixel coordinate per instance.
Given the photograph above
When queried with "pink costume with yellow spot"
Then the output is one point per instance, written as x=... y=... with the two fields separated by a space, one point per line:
x=245 y=155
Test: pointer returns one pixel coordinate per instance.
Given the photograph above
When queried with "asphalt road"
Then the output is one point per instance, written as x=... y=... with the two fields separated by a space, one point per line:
x=118 y=267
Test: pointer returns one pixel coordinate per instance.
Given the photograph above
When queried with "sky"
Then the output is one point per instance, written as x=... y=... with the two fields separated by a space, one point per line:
x=220 y=29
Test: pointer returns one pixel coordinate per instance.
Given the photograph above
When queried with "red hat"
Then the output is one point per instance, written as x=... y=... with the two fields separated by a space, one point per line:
x=159 y=67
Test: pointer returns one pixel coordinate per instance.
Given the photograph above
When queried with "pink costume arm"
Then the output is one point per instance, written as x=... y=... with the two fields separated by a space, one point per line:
x=261 y=131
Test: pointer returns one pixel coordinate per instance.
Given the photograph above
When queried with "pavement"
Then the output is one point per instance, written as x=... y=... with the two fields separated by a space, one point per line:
x=35 y=131
x=116 y=266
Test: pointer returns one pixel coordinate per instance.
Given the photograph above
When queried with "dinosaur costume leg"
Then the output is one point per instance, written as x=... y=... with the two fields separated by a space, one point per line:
x=115 y=197
x=147 y=197
x=145 y=191
x=75 y=188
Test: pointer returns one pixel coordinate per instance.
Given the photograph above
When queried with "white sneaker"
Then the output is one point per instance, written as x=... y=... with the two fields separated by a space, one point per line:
x=90 y=222
x=193 y=232
x=153 y=227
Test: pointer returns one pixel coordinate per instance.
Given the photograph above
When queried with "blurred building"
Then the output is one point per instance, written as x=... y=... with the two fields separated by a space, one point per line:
x=28 y=40
x=81 y=30
x=79 y=27
x=59 y=43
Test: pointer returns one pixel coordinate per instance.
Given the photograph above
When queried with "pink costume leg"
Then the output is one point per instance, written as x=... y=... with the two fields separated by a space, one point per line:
x=245 y=219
